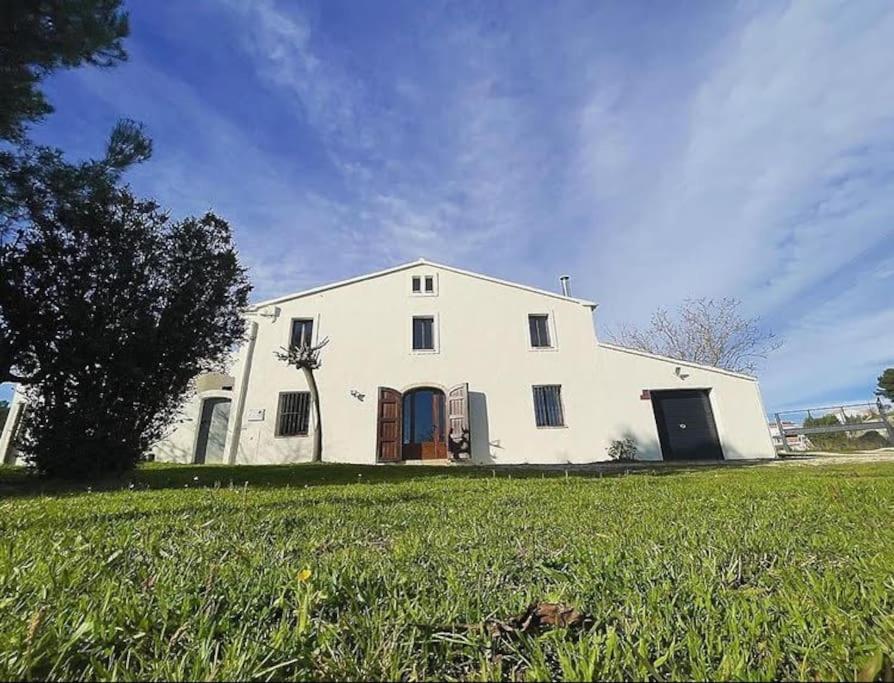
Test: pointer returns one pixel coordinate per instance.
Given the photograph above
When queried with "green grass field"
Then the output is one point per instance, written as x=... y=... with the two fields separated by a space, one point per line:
x=398 y=573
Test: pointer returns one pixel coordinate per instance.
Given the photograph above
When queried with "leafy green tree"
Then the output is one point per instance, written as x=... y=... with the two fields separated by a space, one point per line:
x=885 y=387
x=38 y=191
x=109 y=308
x=38 y=37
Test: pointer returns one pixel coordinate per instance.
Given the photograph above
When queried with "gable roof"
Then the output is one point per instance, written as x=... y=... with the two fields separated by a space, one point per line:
x=411 y=264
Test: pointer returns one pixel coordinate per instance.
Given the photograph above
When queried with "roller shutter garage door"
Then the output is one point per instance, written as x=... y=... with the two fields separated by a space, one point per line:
x=686 y=427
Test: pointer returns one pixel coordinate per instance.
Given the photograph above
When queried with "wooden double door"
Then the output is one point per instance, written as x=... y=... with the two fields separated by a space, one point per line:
x=423 y=423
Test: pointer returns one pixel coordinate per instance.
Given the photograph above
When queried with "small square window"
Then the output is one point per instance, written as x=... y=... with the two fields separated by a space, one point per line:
x=548 y=406
x=539 y=328
x=429 y=283
x=423 y=334
x=417 y=284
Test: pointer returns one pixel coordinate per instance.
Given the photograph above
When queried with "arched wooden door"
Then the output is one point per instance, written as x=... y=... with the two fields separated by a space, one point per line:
x=424 y=424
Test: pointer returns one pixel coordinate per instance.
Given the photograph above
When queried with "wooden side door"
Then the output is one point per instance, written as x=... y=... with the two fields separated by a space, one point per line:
x=459 y=437
x=389 y=426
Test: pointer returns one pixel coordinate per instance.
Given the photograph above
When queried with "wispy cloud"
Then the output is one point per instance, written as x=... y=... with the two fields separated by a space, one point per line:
x=654 y=151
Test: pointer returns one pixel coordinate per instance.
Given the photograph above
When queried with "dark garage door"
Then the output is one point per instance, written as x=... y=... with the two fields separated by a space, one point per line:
x=686 y=425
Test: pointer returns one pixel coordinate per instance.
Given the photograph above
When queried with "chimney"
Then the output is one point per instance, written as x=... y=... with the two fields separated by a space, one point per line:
x=566 y=285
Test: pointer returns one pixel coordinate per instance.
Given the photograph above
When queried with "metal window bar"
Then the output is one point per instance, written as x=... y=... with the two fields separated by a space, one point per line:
x=294 y=413
x=548 y=406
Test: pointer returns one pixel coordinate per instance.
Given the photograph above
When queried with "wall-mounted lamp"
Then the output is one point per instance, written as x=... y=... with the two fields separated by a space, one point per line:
x=678 y=371
x=270 y=312
x=358 y=395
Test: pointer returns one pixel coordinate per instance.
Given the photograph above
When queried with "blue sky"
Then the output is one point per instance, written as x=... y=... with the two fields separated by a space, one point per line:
x=653 y=151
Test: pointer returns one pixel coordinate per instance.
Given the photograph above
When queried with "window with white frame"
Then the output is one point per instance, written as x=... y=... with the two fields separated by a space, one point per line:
x=302 y=332
x=293 y=414
x=424 y=285
x=538 y=327
x=423 y=333
x=548 y=405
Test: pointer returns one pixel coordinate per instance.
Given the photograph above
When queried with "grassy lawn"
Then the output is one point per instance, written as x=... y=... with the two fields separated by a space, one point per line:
x=400 y=573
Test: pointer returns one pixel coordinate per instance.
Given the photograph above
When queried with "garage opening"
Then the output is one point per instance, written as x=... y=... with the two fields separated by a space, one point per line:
x=686 y=427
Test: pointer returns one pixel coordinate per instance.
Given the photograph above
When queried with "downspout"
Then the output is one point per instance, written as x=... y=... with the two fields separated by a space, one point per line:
x=235 y=429
x=11 y=427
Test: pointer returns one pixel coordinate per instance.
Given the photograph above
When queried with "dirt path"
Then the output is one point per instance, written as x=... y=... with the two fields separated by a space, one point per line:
x=886 y=455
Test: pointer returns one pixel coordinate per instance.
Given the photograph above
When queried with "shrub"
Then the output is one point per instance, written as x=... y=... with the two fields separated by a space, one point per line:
x=870 y=441
x=623 y=450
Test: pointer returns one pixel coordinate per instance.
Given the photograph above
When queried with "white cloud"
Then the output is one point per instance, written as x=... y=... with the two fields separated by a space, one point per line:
x=749 y=156
x=782 y=179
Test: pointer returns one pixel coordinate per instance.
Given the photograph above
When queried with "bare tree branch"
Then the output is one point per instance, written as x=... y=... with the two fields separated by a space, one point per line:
x=708 y=331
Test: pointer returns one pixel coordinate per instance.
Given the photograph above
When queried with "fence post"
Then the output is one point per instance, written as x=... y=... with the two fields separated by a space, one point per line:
x=782 y=434
x=888 y=426
x=847 y=435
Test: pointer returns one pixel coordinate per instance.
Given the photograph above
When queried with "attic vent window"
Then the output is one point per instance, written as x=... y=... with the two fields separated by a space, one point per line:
x=424 y=285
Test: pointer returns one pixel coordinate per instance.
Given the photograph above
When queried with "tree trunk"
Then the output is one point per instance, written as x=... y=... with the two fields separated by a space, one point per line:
x=318 y=419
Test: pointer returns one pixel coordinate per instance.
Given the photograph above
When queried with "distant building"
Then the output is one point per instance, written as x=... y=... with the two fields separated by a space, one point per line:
x=796 y=442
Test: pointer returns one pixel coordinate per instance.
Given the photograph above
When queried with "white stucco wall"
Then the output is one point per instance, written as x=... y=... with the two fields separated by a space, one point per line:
x=735 y=401
x=8 y=452
x=483 y=339
x=179 y=442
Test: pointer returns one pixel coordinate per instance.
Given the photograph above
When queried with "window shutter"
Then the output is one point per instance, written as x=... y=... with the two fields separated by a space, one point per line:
x=389 y=425
x=460 y=438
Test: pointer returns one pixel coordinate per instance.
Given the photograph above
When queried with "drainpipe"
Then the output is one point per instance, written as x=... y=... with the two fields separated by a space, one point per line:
x=11 y=427
x=235 y=428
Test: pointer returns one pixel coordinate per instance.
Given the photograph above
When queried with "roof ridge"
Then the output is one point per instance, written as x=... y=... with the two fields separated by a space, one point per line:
x=410 y=264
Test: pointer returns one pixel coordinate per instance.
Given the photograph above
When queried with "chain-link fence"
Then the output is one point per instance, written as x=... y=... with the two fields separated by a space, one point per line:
x=842 y=428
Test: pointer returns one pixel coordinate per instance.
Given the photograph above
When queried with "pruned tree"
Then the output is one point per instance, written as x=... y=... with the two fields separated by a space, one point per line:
x=885 y=386
x=38 y=37
x=708 y=331
x=306 y=357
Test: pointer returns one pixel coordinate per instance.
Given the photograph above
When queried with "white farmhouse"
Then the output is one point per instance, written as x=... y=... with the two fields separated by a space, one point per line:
x=427 y=362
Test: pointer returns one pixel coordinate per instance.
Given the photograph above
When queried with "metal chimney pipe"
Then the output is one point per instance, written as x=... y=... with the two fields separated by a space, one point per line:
x=566 y=286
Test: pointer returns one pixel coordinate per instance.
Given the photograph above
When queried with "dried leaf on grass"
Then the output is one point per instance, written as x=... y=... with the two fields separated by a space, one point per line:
x=539 y=616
